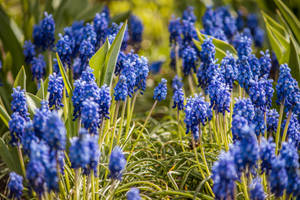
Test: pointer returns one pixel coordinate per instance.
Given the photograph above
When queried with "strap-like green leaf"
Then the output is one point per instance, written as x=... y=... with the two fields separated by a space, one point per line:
x=64 y=75
x=274 y=44
x=269 y=20
x=33 y=102
x=97 y=61
x=4 y=115
x=112 y=56
x=294 y=62
x=10 y=157
x=42 y=92
x=21 y=79
x=290 y=18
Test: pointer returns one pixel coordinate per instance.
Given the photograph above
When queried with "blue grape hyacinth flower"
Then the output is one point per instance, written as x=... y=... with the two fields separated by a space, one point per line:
x=178 y=99
x=238 y=122
x=175 y=30
x=39 y=119
x=47 y=31
x=19 y=104
x=257 y=190
x=16 y=128
x=101 y=27
x=189 y=60
x=15 y=185
x=64 y=48
x=94 y=155
x=229 y=69
x=121 y=91
x=266 y=154
x=38 y=67
x=244 y=108
x=79 y=150
x=54 y=132
x=177 y=83
x=160 y=92
x=55 y=89
x=278 y=178
x=272 y=120
x=133 y=194
x=28 y=51
x=224 y=175
x=136 y=29
x=90 y=116
x=117 y=163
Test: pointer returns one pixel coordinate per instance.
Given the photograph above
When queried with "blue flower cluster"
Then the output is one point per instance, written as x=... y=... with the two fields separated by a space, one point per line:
x=121 y=91
x=18 y=104
x=90 y=116
x=101 y=23
x=136 y=29
x=39 y=119
x=117 y=163
x=133 y=194
x=160 y=91
x=15 y=185
x=244 y=108
x=261 y=93
x=197 y=112
x=219 y=95
x=38 y=67
x=266 y=154
x=229 y=69
x=43 y=33
x=272 y=120
x=257 y=190
x=55 y=89
x=189 y=60
x=288 y=90
x=224 y=175
x=84 y=152
x=28 y=51
x=293 y=131
x=64 y=48
x=178 y=99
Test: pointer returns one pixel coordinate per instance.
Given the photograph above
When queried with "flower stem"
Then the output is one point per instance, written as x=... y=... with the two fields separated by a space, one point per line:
x=286 y=126
x=93 y=184
x=115 y=124
x=191 y=83
x=177 y=60
x=244 y=182
x=141 y=131
x=179 y=132
x=202 y=152
x=122 y=119
x=225 y=134
x=21 y=161
x=265 y=120
x=279 y=127
x=50 y=62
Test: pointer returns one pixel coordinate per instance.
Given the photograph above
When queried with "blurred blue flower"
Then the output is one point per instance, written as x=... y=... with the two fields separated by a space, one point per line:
x=117 y=163
x=55 y=89
x=160 y=91
x=257 y=190
x=39 y=119
x=16 y=128
x=15 y=185
x=238 y=122
x=189 y=60
x=177 y=83
x=94 y=155
x=28 y=51
x=278 y=179
x=229 y=69
x=175 y=30
x=266 y=154
x=136 y=29
x=38 y=67
x=27 y=137
x=224 y=176
x=178 y=99
x=121 y=91
x=79 y=150
x=133 y=194
x=54 y=132
x=64 y=49
x=101 y=27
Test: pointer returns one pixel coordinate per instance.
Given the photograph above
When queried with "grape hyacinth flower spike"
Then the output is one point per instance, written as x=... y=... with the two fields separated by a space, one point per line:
x=160 y=92
x=117 y=163
x=28 y=51
x=18 y=104
x=121 y=91
x=133 y=194
x=38 y=67
x=55 y=89
x=15 y=185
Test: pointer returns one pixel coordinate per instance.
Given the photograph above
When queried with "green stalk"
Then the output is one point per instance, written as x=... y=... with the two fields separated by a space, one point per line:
x=76 y=191
x=265 y=120
x=199 y=165
x=85 y=191
x=179 y=132
x=122 y=119
x=191 y=84
x=214 y=129
x=128 y=116
x=286 y=126
x=21 y=161
x=115 y=124
x=279 y=127
x=93 y=184
x=244 y=182
x=50 y=62
x=177 y=60
x=202 y=152
x=141 y=131
x=225 y=133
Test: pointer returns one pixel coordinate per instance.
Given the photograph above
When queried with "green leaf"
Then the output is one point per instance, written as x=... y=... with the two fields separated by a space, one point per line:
x=21 y=79
x=10 y=157
x=221 y=46
x=43 y=89
x=33 y=102
x=11 y=36
x=121 y=17
x=290 y=18
x=4 y=115
x=294 y=62
x=112 y=56
x=64 y=75
x=269 y=20
x=97 y=61
x=276 y=47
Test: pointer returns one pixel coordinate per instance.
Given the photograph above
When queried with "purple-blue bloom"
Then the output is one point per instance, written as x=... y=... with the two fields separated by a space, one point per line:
x=177 y=83
x=266 y=154
x=238 y=122
x=272 y=120
x=244 y=108
x=64 y=49
x=94 y=155
x=175 y=30
x=15 y=185
x=104 y=101
x=90 y=116
x=244 y=72
x=28 y=51
x=18 y=104
x=101 y=27
x=178 y=99
x=278 y=179
x=229 y=69
x=133 y=194
x=39 y=119
x=38 y=67
x=136 y=29
x=224 y=175
x=79 y=150
x=121 y=91
x=160 y=91
x=257 y=190
x=47 y=31
x=117 y=163
x=16 y=128
x=55 y=89
x=189 y=60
